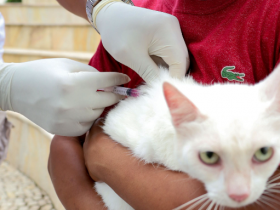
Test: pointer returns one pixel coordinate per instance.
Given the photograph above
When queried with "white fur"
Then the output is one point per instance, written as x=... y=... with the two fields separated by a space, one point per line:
x=240 y=120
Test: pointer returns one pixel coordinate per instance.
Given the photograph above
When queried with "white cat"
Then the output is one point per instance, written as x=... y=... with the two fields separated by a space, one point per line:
x=225 y=135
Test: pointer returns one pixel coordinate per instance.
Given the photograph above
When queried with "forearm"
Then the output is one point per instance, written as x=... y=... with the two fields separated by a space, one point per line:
x=77 y=7
x=136 y=182
x=70 y=178
x=146 y=187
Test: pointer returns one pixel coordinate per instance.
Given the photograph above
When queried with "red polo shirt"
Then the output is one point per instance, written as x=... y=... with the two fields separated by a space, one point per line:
x=218 y=33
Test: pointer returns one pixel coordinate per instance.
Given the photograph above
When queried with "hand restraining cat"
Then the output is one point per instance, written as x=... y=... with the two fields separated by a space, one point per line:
x=225 y=135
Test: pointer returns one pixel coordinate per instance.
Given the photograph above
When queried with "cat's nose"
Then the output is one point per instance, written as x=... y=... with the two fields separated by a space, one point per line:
x=238 y=198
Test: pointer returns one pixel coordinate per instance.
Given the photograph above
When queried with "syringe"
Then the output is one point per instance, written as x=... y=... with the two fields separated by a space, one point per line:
x=122 y=91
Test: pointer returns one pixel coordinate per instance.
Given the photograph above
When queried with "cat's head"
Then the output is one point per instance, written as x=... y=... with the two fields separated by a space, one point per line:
x=229 y=138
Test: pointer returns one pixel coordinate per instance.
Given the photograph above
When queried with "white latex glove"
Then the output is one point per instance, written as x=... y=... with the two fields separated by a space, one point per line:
x=131 y=34
x=57 y=94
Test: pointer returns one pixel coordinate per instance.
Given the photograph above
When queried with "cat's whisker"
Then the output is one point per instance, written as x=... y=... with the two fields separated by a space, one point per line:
x=217 y=207
x=262 y=204
x=273 y=199
x=211 y=205
x=274 y=178
x=273 y=187
x=276 y=175
x=273 y=190
x=267 y=203
x=195 y=191
x=198 y=199
x=205 y=204
x=164 y=169
x=258 y=203
x=267 y=193
x=270 y=200
x=197 y=203
x=185 y=179
x=276 y=187
x=273 y=184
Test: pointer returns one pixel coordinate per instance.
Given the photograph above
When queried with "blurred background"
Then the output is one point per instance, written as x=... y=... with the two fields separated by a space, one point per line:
x=36 y=29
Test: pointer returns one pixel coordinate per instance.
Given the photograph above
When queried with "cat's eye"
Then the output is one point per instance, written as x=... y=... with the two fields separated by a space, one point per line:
x=263 y=154
x=209 y=157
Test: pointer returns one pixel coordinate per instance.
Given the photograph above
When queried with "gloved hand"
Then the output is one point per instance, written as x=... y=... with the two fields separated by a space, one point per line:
x=57 y=94
x=131 y=34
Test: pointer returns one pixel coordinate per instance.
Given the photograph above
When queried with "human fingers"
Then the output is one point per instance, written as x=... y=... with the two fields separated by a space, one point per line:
x=146 y=68
x=109 y=79
x=169 y=44
x=105 y=99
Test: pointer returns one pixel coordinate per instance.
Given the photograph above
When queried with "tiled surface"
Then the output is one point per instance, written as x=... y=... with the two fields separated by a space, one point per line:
x=17 y=192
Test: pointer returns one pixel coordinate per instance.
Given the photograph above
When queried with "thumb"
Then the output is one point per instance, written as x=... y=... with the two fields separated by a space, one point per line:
x=108 y=79
x=74 y=66
x=147 y=69
x=177 y=59
x=179 y=69
x=98 y=80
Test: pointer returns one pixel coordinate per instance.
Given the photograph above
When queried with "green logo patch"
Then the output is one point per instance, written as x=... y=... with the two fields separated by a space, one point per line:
x=228 y=74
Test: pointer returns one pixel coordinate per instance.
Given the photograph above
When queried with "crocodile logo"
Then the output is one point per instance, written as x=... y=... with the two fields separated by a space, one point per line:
x=228 y=74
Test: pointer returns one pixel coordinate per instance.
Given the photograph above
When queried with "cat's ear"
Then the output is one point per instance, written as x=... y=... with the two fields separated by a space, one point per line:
x=270 y=87
x=182 y=110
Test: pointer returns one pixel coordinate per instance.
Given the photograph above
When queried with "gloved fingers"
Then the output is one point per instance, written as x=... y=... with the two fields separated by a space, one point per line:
x=85 y=126
x=99 y=80
x=71 y=129
x=171 y=48
x=105 y=99
x=109 y=79
x=75 y=66
x=76 y=128
x=179 y=69
x=176 y=57
x=159 y=61
x=147 y=69
x=90 y=115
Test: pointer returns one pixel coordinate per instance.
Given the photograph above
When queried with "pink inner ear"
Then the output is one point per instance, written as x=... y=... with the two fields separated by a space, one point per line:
x=181 y=108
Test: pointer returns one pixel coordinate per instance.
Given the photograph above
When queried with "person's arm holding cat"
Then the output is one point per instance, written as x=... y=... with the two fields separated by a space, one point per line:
x=69 y=175
x=74 y=186
x=143 y=186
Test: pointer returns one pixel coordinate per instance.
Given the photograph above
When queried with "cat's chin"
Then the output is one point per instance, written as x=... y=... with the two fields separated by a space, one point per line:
x=221 y=197
x=233 y=204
